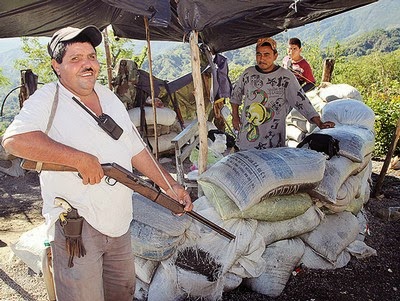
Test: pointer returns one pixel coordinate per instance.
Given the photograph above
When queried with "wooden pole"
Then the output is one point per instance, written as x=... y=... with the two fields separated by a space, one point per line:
x=199 y=97
x=146 y=24
x=327 y=70
x=392 y=147
x=108 y=58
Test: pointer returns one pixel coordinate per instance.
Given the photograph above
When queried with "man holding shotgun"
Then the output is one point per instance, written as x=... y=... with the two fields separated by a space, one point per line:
x=80 y=124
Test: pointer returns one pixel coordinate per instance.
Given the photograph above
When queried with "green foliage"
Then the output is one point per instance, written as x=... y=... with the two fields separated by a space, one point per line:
x=379 y=40
x=4 y=81
x=377 y=77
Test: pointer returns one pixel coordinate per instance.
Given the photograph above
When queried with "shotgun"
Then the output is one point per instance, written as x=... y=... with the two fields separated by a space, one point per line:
x=118 y=173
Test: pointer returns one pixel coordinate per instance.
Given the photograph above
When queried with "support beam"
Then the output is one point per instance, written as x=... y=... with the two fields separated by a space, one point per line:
x=327 y=70
x=146 y=23
x=392 y=147
x=108 y=58
x=199 y=97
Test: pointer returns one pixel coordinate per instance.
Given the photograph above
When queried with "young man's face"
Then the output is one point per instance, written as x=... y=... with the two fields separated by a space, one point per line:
x=79 y=68
x=294 y=51
x=265 y=58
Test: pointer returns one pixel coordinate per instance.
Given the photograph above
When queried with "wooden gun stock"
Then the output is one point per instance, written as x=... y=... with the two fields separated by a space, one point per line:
x=127 y=178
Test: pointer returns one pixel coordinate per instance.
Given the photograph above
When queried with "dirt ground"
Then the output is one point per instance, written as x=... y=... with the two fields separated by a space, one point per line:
x=370 y=279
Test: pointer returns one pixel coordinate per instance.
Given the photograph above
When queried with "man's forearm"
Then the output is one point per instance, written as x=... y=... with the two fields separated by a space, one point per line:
x=38 y=146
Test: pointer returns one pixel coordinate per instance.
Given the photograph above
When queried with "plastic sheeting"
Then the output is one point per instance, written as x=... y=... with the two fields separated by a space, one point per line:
x=223 y=25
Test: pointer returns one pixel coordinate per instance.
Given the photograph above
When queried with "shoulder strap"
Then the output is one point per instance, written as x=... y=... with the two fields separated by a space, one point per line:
x=39 y=165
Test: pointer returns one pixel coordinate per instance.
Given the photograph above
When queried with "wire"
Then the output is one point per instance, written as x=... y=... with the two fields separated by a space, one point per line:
x=4 y=100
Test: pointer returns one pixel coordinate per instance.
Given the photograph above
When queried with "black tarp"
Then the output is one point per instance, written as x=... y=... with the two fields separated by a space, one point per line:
x=222 y=25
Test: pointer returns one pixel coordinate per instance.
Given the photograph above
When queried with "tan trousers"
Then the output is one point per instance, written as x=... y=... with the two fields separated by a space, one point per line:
x=105 y=273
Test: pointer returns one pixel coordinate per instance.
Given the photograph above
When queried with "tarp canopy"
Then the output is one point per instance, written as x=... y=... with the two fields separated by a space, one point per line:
x=222 y=25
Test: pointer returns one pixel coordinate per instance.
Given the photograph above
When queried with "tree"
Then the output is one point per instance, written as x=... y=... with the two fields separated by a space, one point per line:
x=37 y=59
x=4 y=81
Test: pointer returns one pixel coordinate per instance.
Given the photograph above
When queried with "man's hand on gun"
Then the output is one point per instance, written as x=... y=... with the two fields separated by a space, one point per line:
x=181 y=195
x=90 y=169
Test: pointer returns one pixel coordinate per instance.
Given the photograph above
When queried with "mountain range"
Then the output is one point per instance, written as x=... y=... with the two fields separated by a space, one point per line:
x=382 y=14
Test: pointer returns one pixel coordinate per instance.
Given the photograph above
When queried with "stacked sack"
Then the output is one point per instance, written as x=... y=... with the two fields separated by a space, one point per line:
x=286 y=206
x=167 y=125
x=298 y=127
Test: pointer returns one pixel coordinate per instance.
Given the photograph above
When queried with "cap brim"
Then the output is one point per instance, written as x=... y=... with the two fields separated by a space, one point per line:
x=92 y=32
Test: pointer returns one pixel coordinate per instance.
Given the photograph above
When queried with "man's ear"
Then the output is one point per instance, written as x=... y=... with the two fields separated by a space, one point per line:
x=56 y=66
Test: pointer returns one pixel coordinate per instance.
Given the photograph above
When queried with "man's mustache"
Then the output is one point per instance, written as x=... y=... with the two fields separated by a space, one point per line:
x=88 y=69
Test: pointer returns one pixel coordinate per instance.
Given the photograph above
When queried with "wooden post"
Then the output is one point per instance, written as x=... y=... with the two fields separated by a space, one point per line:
x=199 y=96
x=392 y=147
x=146 y=23
x=108 y=57
x=327 y=70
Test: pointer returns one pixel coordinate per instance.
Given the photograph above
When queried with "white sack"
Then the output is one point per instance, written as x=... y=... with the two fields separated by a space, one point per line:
x=281 y=257
x=165 y=116
x=145 y=269
x=164 y=285
x=312 y=260
x=349 y=112
x=274 y=231
x=164 y=142
x=248 y=245
x=231 y=282
x=295 y=133
x=151 y=243
x=12 y=168
x=355 y=143
x=295 y=118
x=149 y=213
x=360 y=250
x=333 y=92
x=363 y=225
x=332 y=235
x=291 y=143
x=337 y=170
x=30 y=247
x=141 y=290
x=198 y=285
x=247 y=176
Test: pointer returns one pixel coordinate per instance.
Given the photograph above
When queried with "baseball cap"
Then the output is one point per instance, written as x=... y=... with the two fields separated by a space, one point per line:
x=68 y=33
x=268 y=40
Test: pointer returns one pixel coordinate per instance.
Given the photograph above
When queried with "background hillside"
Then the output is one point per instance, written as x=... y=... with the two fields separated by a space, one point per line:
x=375 y=27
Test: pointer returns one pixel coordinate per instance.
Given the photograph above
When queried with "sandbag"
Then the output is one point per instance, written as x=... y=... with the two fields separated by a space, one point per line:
x=332 y=235
x=275 y=208
x=231 y=282
x=293 y=132
x=145 y=269
x=337 y=170
x=349 y=112
x=141 y=290
x=247 y=176
x=151 y=243
x=333 y=92
x=30 y=247
x=165 y=116
x=149 y=213
x=298 y=120
x=164 y=285
x=199 y=274
x=12 y=167
x=248 y=245
x=281 y=257
x=360 y=250
x=164 y=142
x=306 y=222
x=312 y=260
x=355 y=142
